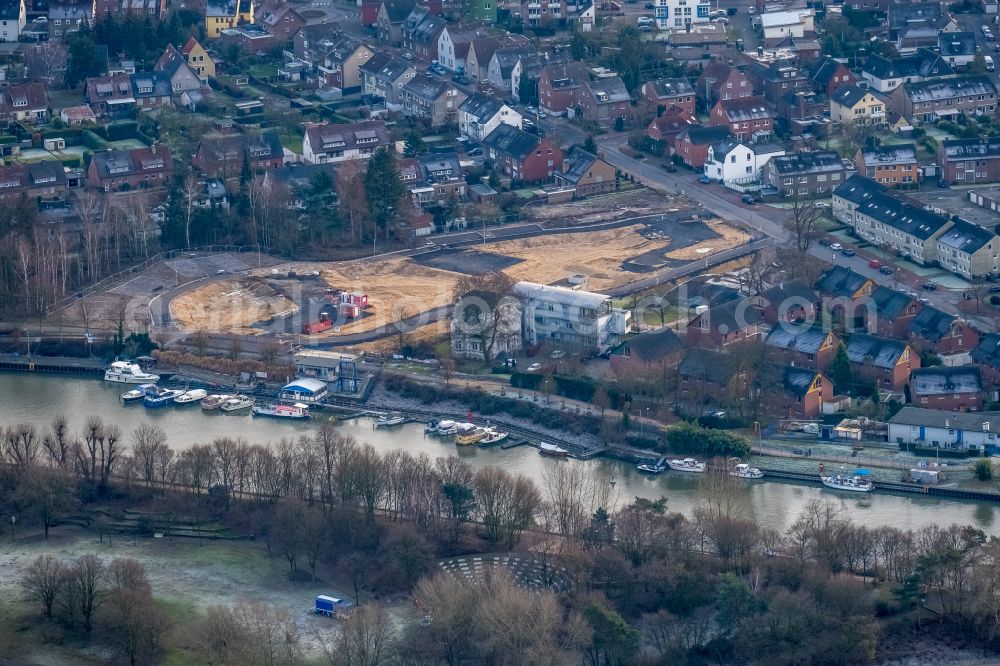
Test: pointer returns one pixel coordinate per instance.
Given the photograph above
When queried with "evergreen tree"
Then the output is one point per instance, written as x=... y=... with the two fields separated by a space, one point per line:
x=527 y=89
x=83 y=58
x=841 y=373
x=384 y=189
x=414 y=145
x=590 y=145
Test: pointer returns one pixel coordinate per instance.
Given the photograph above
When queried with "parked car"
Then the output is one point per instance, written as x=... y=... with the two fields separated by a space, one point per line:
x=825 y=242
x=748 y=199
x=995 y=289
x=460 y=79
x=526 y=123
x=704 y=180
x=885 y=270
x=475 y=152
x=534 y=367
x=847 y=252
x=929 y=286
x=875 y=263
x=836 y=247
x=407 y=55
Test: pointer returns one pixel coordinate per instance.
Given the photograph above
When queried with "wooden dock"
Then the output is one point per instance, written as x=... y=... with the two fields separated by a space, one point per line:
x=52 y=365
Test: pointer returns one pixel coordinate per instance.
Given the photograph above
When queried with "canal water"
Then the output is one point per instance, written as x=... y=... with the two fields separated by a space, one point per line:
x=38 y=398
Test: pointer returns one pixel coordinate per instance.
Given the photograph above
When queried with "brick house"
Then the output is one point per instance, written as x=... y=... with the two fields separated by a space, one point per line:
x=956 y=389
x=811 y=347
x=932 y=100
x=24 y=102
x=44 y=181
x=894 y=311
x=656 y=350
x=792 y=392
x=718 y=80
x=846 y=298
x=664 y=93
x=732 y=323
x=421 y=31
x=942 y=333
x=970 y=161
x=588 y=174
x=748 y=118
x=521 y=155
x=893 y=165
x=558 y=86
x=886 y=362
x=829 y=74
x=691 y=144
x=279 y=20
x=389 y=21
x=604 y=101
x=667 y=126
x=224 y=157
x=774 y=78
x=112 y=170
x=986 y=356
x=792 y=301
x=804 y=174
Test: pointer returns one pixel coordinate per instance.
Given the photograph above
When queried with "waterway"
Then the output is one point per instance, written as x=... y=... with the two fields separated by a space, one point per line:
x=37 y=398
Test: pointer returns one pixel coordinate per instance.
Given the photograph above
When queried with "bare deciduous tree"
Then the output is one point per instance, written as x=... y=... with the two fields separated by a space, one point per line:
x=89 y=578
x=364 y=639
x=42 y=581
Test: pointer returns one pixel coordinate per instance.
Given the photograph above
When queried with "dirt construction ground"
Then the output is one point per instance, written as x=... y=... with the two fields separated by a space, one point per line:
x=229 y=305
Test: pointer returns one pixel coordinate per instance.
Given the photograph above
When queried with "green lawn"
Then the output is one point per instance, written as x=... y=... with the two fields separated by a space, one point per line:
x=263 y=71
x=292 y=142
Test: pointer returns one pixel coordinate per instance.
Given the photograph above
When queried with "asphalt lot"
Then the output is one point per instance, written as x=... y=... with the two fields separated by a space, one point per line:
x=468 y=262
x=955 y=201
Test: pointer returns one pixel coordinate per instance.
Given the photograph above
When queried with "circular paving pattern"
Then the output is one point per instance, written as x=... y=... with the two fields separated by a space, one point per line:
x=526 y=570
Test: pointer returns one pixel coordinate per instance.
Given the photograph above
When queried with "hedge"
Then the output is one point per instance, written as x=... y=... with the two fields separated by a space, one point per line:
x=93 y=141
x=574 y=388
x=691 y=439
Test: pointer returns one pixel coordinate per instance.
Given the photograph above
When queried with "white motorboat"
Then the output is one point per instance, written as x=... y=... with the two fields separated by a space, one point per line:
x=136 y=394
x=214 y=401
x=552 y=450
x=446 y=428
x=386 y=421
x=278 y=411
x=687 y=465
x=159 y=397
x=492 y=437
x=856 y=482
x=236 y=403
x=124 y=372
x=192 y=395
x=657 y=467
x=745 y=471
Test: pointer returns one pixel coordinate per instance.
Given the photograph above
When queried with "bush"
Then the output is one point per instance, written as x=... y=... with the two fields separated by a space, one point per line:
x=984 y=469
x=688 y=438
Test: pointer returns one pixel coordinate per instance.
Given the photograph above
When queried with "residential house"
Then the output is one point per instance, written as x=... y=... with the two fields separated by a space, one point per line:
x=504 y=66
x=847 y=305
x=66 y=18
x=778 y=26
x=340 y=61
x=385 y=75
x=970 y=161
x=522 y=156
x=224 y=157
x=956 y=389
x=224 y=14
x=442 y=172
x=42 y=181
x=497 y=328
x=130 y=169
x=692 y=144
x=586 y=173
x=433 y=100
x=153 y=89
x=662 y=94
x=453 y=47
x=680 y=15
x=28 y=102
x=339 y=143
x=944 y=334
x=893 y=165
x=851 y=104
x=793 y=301
x=719 y=80
x=810 y=347
x=421 y=31
x=279 y=20
x=250 y=39
x=667 y=126
x=479 y=115
x=935 y=428
x=986 y=355
x=811 y=174
x=894 y=311
x=855 y=191
x=647 y=353
x=793 y=392
x=732 y=161
x=969 y=250
x=573 y=320
x=707 y=377
x=74 y=116
x=958 y=49
x=694 y=47
x=605 y=101
x=182 y=76
x=482 y=11
x=559 y=85
x=774 y=75
x=12 y=20
x=932 y=100
x=842 y=282
x=110 y=96
x=885 y=75
x=199 y=60
x=389 y=21
x=732 y=323
x=830 y=74
x=912 y=25
x=477 y=61
x=748 y=118
x=891 y=222
x=886 y=362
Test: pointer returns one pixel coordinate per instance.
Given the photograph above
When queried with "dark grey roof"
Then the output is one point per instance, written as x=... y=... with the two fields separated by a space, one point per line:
x=151 y=84
x=923 y=63
x=936 y=418
x=398 y=10
x=579 y=162
x=904 y=14
x=429 y=29
x=481 y=106
x=797 y=381
x=299 y=174
x=610 y=90
x=890 y=303
x=931 y=324
x=46 y=172
x=732 y=316
x=426 y=87
x=882 y=352
x=706 y=135
x=435 y=167
x=666 y=88
x=840 y=281
x=903 y=153
x=819 y=161
x=857 y=189
x=567 y=75
x=652 y=347
x=10 y=10
x=943 y=380
x=957 y=43
x=785 y=291
x=942 y=89
x=825 y=70
x=266 y=145
x=849 y=95
x=798 y=338
x=508 y=57
x=971 y=149
x=511 y=140
x=385 y=66
x=707 y=365
x=902 y=215
x=987 y=352
x=966 y=237
x=745 y=109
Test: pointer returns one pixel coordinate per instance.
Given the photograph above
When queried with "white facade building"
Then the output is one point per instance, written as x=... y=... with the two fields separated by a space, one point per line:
x=733 y=162
x=580 y=320
x=678 y=14
x=796 y=24
x=479 y=115
x=933 y=428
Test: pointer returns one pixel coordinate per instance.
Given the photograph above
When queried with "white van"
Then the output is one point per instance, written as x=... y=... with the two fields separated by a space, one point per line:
x=989 y=63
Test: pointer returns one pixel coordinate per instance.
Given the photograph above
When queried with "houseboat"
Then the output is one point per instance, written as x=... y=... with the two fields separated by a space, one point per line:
x=236 y=403
x=858 y=482
x=687 y=465
x=446 y=428
x=387 y=421
x=214 y=401
x=469 y=434
x=124 y=372
x=278 y=411
x=552 y=450
x=745 y=471
x=191 y=396
x=160 y=397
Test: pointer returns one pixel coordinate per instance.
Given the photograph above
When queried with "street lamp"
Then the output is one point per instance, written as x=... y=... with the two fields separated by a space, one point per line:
x=13 y=521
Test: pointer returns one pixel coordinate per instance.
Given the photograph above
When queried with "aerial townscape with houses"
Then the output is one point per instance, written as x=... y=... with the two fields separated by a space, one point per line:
x=500 y=332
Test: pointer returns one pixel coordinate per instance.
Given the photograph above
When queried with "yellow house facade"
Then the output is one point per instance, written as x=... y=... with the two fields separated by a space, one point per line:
x=851 y=104
x=199 y=60
x=226 y=14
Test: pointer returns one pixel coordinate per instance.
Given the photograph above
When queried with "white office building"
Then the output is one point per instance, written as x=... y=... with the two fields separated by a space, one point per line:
x=575 y=320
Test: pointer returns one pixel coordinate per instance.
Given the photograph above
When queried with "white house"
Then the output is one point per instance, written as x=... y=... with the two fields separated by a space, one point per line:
x=453 y=47
x=577 y=320
x=796 y=23
x=734 y=162
x=12 y=20
x=339 y=143
x=678 y=14
x=479 y=115
x=933 y=428
x=505 y=67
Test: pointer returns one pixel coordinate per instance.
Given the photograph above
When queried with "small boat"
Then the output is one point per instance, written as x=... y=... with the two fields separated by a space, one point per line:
x=492 y=437
x=658 y=467
x=469 y=434
x=192 y=395
x=124 y=372
x=236 y=403
x=214 y=401
x=386 y=421
x=431 y=427
x=278 y=411
x=857 y=482
x=160 y=397
x=687 y=465
x=552 y=450
x=136 y=394
x=446 y=428
x=745 y=471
